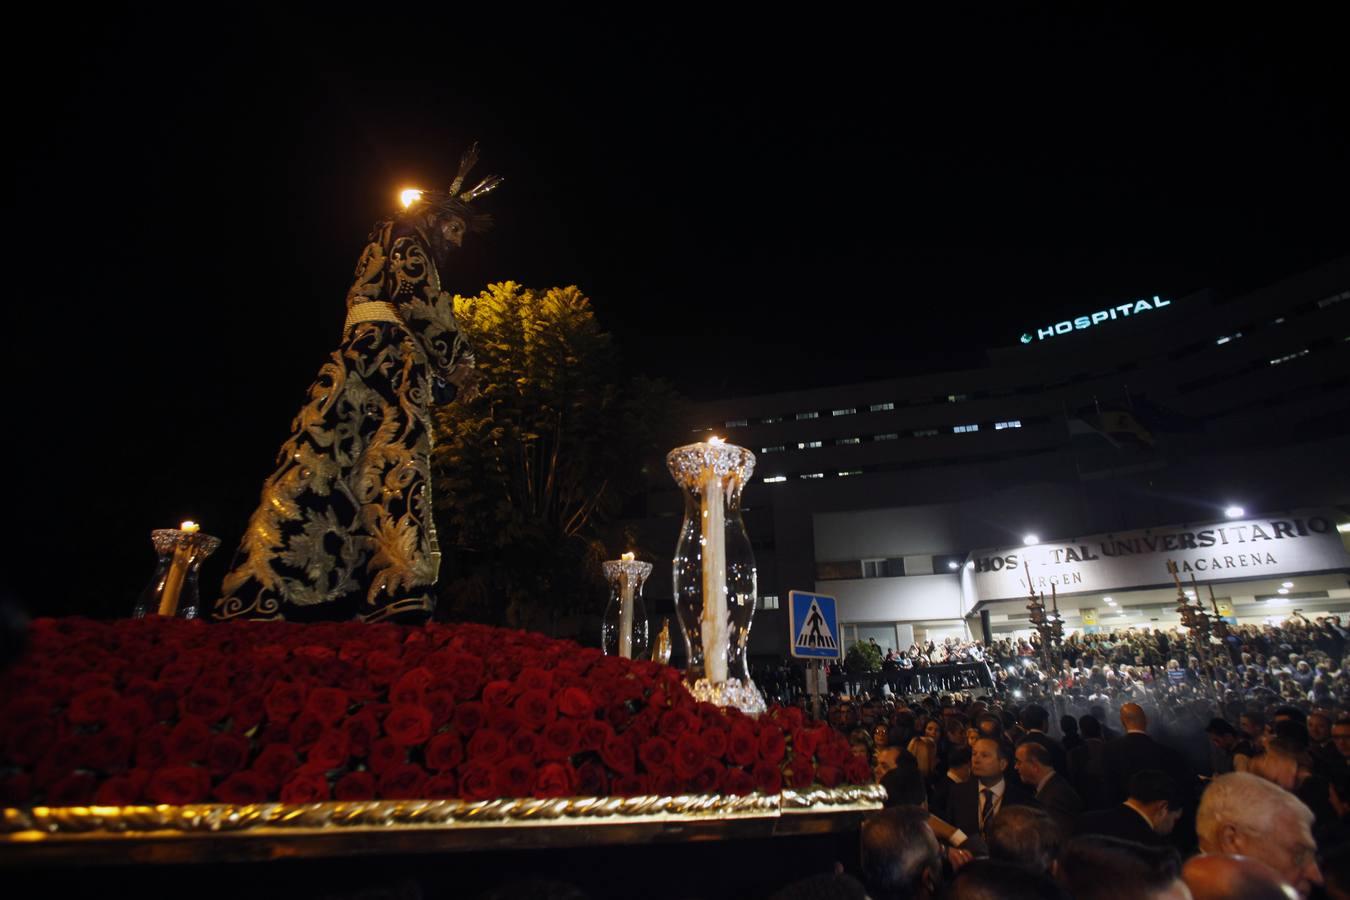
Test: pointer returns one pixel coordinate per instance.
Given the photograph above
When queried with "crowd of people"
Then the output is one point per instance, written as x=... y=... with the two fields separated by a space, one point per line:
x=1134 y=763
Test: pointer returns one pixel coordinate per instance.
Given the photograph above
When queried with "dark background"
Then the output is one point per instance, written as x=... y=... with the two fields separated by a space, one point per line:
x=751 y=207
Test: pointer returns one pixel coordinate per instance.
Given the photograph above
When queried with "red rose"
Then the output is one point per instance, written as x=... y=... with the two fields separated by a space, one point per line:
x=514 y=776
x=411 y=687
x=441 y=787
x=559 y=740
x=305 y=787
x=275 y=764
x=385 y=754
x=576 y=703
x=243 y=789
x=189 y=741
x=708 y=777
x=304 y=731
x=801 y=774
x=468 y=718
x=618 y=754
x=772 y=747
x=110 y=749
x=594 y=733
x=629 y=786
x=738 y=781
x=555 y=780
x=327 y=704
x=532 y=678
x=330 y=751
x=122 y=790
x=655 y=753
x=76 y=789
x=403 y=782
x=227 y=754
x=134 y=713
x=488 y=746
x=382 y=667
x=524 y=743
x=857 y=771
x=93 y=706
x=830 y=776
x=361 y=730
x=30 y=743
x=283 y=701
x=665 y=783
x=178 y=785
x=689 y=755
x=442 y=706
x=152 y=747
x=834 y=751
x=179 y=674
x=407 y=725
x=805 y=742
x=355 y=786
x=247 y=713
x=768 y=779
x=498 y=693
x=206 y=704
x=714 y=742
x=618 y=715
x=443 y=752
x=675 y=722
x=478 y=781
x=790 y=717
x=503 y=719
x=535 y=709
x=592 y=781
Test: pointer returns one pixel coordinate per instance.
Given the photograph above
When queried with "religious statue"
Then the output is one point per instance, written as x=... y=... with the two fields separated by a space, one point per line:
x=345 y=528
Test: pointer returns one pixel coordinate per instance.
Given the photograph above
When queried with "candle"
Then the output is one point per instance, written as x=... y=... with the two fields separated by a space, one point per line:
x=626 y=610
x=173 y=582
x=1054 y=601
x=190 y=527
x=714 y=625
x=628 y=557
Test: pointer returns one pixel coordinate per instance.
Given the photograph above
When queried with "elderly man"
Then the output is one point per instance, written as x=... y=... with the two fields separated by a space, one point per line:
x=1053 y=792
x=1243 y=815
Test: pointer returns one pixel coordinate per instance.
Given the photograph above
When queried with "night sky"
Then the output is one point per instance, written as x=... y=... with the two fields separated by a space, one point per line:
x=749 y=208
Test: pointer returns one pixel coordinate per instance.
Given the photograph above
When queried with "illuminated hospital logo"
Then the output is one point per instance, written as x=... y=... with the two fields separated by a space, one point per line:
x=1124 y=311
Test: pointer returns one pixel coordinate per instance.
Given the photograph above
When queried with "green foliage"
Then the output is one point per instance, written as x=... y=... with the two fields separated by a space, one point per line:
x=863 y=658
x=530 y=473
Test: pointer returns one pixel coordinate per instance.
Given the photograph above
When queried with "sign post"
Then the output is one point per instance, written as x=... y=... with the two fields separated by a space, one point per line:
x=814 y=635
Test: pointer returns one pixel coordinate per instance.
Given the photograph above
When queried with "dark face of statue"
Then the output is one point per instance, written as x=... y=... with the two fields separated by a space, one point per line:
x=445 y=231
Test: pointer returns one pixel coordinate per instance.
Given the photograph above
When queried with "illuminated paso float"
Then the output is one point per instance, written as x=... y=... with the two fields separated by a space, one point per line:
x=169 y=739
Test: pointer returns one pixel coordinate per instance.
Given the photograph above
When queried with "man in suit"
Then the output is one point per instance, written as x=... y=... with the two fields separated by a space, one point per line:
x=1136 y=752
x=971 y=807
x=1053 y=791
x=1147 y=816
x=1035 y=720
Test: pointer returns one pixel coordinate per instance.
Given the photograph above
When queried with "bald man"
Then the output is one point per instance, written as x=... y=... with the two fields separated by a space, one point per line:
x=1214 y=877
x=1135 y=752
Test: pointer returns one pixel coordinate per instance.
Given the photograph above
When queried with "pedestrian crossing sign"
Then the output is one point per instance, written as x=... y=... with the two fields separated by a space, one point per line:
x=814 y=621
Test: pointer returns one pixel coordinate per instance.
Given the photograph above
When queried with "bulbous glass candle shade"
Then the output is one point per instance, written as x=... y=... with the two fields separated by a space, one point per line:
x=172 y=590
x=714 y=571
x=623 y=631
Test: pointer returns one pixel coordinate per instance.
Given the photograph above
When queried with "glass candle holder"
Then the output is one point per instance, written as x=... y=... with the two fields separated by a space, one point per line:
x=624 y=629
x=172 y=590
x=714 y=573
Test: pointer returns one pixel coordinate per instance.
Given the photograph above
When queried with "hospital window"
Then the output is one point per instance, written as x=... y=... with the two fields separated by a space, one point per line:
x=881 y=407
x=963 y=429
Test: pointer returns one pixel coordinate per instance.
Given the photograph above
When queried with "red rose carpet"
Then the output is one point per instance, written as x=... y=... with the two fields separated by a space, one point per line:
x=167 y=711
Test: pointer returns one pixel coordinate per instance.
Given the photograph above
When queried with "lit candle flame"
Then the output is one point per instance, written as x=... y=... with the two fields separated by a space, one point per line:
x=715 y=440
x=629 y=557
x=409 y=197
x=190 y=527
